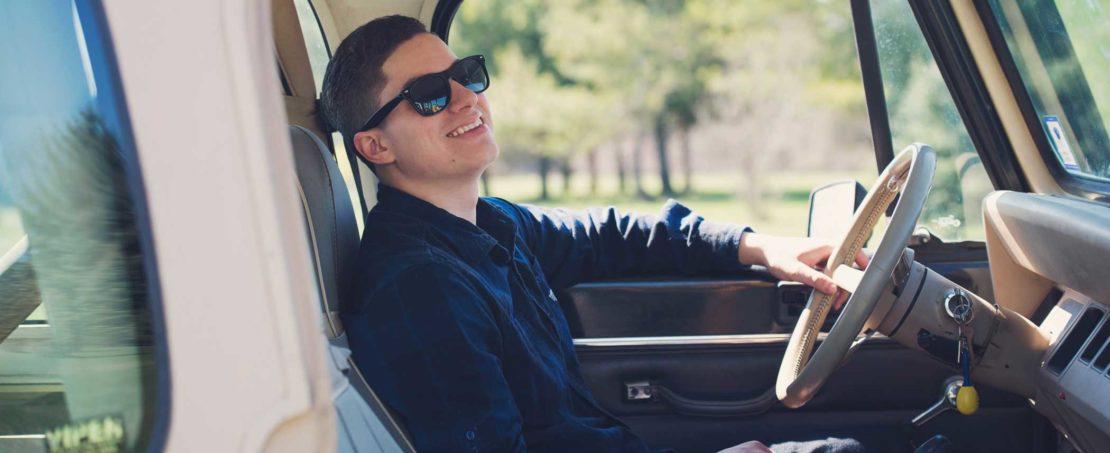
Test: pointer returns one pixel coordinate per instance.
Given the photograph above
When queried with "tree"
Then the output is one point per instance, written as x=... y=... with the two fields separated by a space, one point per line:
x=759 y=93
x=534 y=115
x=653 y=54
x=601 y=45
x=538 y=110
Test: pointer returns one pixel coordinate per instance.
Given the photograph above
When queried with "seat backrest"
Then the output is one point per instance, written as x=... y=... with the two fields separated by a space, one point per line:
x=331 y=220
x=364 y=423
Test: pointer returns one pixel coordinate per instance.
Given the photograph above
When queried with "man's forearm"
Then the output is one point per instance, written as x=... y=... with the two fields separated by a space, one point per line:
x=750 y=252
x=581 y=246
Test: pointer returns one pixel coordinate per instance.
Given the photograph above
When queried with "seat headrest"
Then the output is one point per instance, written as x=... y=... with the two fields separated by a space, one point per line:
x=332 y=230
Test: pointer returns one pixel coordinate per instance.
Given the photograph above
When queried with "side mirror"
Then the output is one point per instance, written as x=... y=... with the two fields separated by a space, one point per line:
x=831 y=208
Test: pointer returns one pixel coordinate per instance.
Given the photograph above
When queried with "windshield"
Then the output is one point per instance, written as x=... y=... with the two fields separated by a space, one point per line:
x=1062 y=52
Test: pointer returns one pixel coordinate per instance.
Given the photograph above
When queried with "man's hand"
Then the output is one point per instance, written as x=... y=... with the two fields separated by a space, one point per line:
x=795 y=259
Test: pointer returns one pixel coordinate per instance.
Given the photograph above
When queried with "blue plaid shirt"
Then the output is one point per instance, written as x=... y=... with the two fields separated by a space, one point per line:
x=456 y=327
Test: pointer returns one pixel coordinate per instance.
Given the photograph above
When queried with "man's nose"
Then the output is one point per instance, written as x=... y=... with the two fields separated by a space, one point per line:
x=461 y=97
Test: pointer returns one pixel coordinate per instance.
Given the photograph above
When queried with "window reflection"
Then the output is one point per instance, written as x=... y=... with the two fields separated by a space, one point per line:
x=76 y=342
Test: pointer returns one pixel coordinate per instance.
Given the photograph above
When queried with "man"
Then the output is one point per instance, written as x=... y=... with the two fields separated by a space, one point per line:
x=451 y=315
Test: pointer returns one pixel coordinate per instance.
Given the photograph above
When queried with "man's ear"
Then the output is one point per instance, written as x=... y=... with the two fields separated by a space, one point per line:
x=372 y=146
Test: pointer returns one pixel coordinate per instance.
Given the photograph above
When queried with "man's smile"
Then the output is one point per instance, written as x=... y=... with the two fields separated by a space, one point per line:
x=473 y=128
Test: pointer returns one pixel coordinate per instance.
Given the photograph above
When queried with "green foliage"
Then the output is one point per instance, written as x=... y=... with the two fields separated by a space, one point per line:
x=570 y=76
x=534 y=114
x=634 y=63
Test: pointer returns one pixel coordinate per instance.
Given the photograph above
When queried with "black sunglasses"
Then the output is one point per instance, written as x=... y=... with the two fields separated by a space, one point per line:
x=429 y=94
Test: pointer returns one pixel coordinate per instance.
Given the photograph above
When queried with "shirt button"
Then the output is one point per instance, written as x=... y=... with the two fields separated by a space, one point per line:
x=470 y=435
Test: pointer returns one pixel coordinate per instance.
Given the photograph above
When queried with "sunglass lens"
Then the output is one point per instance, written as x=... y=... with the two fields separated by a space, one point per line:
x=429 y=95
x=471 y=73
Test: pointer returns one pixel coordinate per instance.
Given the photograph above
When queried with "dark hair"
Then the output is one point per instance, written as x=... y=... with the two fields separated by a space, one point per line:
x=352 y=85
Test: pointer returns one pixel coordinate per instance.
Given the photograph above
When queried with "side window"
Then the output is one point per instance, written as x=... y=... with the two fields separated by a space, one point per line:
x=78 y=362
x=736 y=108
x=319 y=54
x=1062 y=55
x=921 y=110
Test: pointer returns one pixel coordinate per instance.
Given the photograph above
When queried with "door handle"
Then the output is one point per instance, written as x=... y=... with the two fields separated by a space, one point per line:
x=654 y=391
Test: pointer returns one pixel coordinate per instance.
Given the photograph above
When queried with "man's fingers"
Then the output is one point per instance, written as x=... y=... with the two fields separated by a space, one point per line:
x=862 y=259
x=818 y=255
x=814 y=278
x=841 y=297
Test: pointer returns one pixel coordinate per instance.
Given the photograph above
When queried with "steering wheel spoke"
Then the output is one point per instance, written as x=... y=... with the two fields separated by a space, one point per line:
x=847 y=277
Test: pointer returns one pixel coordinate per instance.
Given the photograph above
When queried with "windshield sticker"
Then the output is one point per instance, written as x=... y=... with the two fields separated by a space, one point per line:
x=1060 y=142
x=103 y=434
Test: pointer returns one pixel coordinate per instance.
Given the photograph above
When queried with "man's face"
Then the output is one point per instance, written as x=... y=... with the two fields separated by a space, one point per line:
x=429 y=148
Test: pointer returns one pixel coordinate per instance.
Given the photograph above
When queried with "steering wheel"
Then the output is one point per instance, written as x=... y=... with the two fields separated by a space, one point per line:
x=909 y=174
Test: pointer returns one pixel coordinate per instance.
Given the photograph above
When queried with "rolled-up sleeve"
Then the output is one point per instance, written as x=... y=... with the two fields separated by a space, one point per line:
x=432 y=351
x=601 y=242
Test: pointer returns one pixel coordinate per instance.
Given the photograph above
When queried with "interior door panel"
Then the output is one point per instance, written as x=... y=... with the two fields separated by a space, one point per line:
x=749 y=303
x=872 y=398
x=722 y=339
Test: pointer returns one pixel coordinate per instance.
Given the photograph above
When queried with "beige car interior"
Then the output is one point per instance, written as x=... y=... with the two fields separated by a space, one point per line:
x=1046 y=244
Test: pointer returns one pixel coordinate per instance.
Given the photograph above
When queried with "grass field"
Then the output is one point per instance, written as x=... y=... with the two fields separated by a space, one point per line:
x=784 y=201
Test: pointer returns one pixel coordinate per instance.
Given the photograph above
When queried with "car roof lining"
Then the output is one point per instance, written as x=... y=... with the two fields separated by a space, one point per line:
x=294 y=65
x=347 y=15
x=292 y=54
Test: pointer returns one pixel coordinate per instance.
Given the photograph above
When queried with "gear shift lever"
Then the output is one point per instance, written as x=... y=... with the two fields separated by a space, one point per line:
x=946 y=402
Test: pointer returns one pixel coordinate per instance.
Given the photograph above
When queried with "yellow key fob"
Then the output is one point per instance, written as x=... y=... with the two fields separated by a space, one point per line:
x=967 y=400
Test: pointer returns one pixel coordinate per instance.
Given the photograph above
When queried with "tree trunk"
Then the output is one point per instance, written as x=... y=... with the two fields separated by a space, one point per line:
x=753 y=190
x=544 y=168
x=591 y=170
x=637 y=165
x=622 y=167
x=662 y=134
x=687 y=161
x=485 y=183
x=567 y=171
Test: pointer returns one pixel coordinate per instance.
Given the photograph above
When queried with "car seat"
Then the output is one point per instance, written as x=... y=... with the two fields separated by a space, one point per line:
x=363 y=422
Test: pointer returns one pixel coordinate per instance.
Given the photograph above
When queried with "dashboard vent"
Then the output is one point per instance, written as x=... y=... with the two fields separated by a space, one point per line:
x=1096 y=343
x=1103 y=358
x=1074 y=340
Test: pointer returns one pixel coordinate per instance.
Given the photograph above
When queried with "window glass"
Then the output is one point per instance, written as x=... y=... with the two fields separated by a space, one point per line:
x=921 y=110
x=76 y=345
x=736 y=108
x=1062 y=52
x=318 y=55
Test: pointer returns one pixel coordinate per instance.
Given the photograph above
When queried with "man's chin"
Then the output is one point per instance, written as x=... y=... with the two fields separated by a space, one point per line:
x=494 y=153
x=488 y=152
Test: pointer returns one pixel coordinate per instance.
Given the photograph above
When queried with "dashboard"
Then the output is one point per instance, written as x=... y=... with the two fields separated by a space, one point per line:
x=1073 y=380
x=1052 y=251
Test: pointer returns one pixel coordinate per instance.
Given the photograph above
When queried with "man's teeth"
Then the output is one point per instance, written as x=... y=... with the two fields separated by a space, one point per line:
x=464 y=129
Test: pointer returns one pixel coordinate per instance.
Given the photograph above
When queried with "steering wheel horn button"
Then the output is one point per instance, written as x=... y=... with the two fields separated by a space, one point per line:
x=958 y=306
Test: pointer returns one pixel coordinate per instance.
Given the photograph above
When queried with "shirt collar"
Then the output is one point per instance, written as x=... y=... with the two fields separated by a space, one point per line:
x=474 y=242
